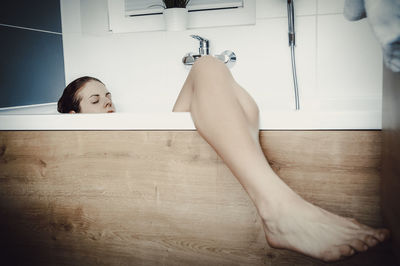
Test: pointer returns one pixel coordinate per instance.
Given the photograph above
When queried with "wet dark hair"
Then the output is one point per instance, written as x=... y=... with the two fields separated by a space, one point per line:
x=69 y=100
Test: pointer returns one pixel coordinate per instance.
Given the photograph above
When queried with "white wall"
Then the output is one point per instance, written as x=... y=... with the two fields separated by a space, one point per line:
x=339 y=63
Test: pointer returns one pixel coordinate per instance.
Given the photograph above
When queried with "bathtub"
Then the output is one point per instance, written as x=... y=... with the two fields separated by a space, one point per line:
x=46 y=117
x=149 y=197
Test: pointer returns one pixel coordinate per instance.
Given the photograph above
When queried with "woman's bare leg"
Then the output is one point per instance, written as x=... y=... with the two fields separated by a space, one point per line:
x=227 y=118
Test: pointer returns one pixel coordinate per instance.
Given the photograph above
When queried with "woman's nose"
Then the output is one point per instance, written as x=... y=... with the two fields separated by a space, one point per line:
x=107 y=103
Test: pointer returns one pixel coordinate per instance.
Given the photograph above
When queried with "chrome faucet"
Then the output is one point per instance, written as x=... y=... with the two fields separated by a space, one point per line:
x=228 y=57
x=204 y=45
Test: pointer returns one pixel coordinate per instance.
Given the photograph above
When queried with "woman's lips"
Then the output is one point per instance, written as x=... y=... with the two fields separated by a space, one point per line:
x=111 y=111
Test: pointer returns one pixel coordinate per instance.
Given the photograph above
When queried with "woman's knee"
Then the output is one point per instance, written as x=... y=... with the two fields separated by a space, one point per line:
x=210 y=72
x=207 y=60
x=209 y=66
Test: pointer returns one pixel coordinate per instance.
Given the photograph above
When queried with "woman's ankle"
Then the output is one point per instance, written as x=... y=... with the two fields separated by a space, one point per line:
x=273 y=205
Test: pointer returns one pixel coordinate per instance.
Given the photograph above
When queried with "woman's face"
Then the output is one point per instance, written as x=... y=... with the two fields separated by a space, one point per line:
x=95 y=98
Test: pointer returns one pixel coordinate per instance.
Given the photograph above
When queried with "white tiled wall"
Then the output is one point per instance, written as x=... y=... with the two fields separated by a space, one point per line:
x=330 y=7
x=348 y=74
x=339 y=63
x=278 y=8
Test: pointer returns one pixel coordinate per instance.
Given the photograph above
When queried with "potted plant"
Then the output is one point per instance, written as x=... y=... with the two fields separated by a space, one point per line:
x=175 y=14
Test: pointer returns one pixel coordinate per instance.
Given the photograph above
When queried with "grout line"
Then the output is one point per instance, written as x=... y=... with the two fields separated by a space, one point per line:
x=24 y=28
x=306 y=15
x=330 y=14
x=279 y=17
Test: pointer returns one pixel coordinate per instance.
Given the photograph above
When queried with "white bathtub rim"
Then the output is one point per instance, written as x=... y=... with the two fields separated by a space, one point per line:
x=271 y=120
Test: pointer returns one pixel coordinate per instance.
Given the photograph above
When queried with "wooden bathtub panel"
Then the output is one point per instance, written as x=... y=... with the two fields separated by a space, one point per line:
x=166 y=198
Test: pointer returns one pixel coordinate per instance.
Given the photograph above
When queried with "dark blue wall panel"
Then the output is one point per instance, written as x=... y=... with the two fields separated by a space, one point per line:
x=31 y=67
x=42 y=14
x=31 y=61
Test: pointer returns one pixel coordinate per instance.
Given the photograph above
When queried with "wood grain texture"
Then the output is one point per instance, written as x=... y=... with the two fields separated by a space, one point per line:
x=166 y=198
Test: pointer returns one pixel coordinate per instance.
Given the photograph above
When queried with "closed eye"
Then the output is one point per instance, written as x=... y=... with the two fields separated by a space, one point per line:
x=95 y=102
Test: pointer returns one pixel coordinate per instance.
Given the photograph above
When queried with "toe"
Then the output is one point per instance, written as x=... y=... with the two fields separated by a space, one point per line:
x=379 y=234
x=337 y=253
x=382 y=234
x=370 y=240
x=331 y=255
x=346 y=250
x=358 y=245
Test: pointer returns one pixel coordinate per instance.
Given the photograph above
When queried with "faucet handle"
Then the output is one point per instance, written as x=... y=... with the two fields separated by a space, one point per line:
x=201 y=39
x=204 y=44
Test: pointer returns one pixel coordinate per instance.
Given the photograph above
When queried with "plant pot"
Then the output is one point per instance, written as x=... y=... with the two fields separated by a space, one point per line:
x=175 y=19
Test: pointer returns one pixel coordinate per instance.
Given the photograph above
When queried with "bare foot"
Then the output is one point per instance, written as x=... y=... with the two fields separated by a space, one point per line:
x=303 y=227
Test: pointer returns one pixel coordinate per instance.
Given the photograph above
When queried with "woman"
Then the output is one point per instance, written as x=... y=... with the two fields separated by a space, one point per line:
x=227 y=117
x=86 y=95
